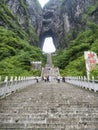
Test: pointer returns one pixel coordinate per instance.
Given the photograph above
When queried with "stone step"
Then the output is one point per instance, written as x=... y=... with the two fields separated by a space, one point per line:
x=11 y=125
x=31 y=126
x=50 y=106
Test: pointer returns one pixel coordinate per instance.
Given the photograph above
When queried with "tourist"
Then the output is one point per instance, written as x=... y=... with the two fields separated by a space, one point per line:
x=63 y=79
x=48 y=79
x=58 y=79
x=45 y=79
x=37 y=79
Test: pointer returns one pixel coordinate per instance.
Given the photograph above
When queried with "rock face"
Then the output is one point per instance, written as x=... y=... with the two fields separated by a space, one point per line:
x=52 y=25
x=35 y=14
x=27 y=11
x=55 y=20
x=62 y=16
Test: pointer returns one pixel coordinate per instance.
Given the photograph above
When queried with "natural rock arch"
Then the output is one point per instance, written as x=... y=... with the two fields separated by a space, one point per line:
x=46 y=34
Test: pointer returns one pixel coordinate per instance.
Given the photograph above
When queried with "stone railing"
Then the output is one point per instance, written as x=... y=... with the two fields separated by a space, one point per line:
x=15 y=83
x=83 y=82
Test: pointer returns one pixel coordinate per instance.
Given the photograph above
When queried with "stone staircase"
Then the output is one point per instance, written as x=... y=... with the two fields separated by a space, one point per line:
x=50 y=106
x=49 y=69
x=53 y=72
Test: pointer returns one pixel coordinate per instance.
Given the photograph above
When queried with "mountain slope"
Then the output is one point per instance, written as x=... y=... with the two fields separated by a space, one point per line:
x=16 y=39
x=71 y=23
x=71 y=61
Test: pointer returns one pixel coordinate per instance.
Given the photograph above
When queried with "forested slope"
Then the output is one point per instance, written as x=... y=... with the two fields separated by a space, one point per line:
x=71 y=60
x=76 y=26
x=16 y=44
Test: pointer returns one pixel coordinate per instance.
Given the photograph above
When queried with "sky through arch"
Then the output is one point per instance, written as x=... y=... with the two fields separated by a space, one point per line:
x=48 y=46
x=43 y=2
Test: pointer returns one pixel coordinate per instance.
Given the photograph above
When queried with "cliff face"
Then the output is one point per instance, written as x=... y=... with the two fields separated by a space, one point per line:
x=25 y=15
x=52 y=25
x=62 y=16
x=57 y=19
x=74 y=11
x=35 y=14
x=27 y=10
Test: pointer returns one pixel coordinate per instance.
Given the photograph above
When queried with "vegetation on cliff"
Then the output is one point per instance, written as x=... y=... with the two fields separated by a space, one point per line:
x=16 y=54
x=16 y=51
x=9 y=20
x=71 y=60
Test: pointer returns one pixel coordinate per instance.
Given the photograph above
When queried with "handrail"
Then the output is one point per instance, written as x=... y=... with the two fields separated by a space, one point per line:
x=16 y=83
x=83 y=82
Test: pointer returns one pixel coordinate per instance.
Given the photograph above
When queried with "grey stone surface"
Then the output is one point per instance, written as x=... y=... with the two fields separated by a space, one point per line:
x=50 y=106
x=49 y=60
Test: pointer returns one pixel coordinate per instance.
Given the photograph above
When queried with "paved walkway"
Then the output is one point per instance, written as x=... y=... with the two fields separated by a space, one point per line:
x=50 y=106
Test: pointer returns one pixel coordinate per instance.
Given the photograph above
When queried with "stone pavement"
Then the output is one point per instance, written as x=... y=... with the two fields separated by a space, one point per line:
x=50 y=106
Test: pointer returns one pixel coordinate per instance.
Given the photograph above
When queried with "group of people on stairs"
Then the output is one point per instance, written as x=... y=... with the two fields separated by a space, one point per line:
x=49 y=78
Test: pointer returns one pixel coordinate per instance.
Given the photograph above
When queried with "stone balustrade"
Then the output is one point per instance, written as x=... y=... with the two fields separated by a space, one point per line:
x=83 y=82
x=9 y=85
